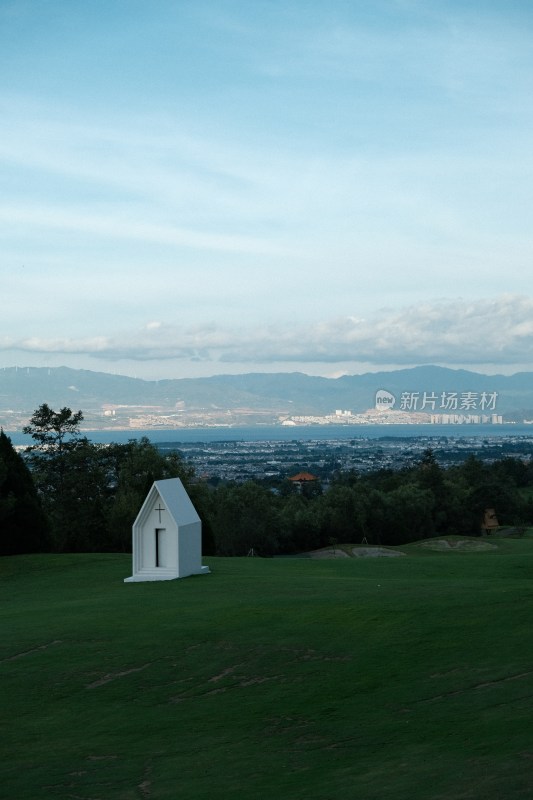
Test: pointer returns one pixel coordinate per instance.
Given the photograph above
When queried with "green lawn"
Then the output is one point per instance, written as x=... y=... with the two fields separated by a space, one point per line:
x=348 y=679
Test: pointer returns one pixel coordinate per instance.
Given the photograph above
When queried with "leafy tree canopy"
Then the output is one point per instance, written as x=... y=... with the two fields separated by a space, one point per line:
x=23 y=527
x=51 y=429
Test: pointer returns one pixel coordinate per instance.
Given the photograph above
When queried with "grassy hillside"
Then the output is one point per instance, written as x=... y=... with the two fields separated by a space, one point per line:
x=365 y=678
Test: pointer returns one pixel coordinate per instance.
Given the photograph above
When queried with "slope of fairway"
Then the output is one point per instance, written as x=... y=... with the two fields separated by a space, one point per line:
x=365 y=678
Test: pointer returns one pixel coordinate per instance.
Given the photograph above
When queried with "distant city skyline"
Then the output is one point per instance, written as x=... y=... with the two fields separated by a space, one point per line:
x=198 y=188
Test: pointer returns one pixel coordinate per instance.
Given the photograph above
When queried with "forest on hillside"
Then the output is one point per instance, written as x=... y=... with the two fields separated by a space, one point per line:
x=67 y=494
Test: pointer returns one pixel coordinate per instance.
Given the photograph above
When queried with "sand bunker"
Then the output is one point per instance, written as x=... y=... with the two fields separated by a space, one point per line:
x=457 y=544
x=328 y=553
x=364 y=551
x=375 y=552
x=357 y=552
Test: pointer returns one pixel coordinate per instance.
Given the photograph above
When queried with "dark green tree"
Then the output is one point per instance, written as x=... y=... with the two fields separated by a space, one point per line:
x=54 y=462
x=52 y=430
x=245 y=519
x=430 y=474
x=339 y=515
x=23 y=527
x=372 y=513
x=513 y=471
x=86 y=496
x=202 y=499
x=501 y=496
x=131 y=470
x=408 y=515
x=299 y=524
x=54 y=434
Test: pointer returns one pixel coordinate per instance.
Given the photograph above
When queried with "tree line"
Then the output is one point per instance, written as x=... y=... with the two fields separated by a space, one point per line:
x=67 y=494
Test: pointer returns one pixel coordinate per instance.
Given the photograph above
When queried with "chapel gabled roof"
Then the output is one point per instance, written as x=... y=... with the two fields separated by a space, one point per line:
x=175 y=499
x=178 y=502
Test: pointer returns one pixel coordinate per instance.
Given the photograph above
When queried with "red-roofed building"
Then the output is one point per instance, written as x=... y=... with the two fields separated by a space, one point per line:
x=303 y=477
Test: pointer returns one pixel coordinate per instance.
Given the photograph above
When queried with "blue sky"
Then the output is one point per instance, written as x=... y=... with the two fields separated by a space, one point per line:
x=191 y=188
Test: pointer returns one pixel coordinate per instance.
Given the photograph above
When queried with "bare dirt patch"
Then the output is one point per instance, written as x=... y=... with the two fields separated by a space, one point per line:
x=477 y=686
x=33 y=650
x=223 y=674
x=113 y=676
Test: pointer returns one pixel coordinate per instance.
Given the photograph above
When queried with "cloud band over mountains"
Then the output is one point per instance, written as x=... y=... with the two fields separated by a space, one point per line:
x=495 y=331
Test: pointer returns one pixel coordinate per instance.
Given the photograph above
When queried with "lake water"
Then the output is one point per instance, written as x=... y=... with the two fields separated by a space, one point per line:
x=280 y=433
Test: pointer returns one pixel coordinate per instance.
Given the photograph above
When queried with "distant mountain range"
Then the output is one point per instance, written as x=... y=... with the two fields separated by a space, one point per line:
x=24 y=389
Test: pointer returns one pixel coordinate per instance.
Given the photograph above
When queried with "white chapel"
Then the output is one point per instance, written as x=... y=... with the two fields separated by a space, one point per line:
x=167 y=535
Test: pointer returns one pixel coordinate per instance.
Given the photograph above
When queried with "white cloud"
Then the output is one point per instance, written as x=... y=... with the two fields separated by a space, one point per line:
x=446 y=332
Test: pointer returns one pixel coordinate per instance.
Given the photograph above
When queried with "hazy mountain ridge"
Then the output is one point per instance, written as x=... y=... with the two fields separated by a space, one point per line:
x=23 y=389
